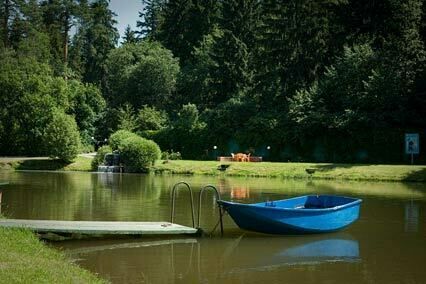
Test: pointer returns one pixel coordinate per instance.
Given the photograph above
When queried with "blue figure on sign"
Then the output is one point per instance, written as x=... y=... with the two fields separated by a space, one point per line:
x=411 y=146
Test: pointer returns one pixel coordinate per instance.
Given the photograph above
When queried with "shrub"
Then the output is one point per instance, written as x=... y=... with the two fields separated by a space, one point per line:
x=117 y=138
x=100 y=156
x=171 y=156
x=61 y=137
x=138 y=153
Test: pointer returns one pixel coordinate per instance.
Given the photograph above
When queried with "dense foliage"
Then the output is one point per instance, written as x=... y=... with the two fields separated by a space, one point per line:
x=141 y=74
x=61 y=137
x=116 y=139
x=138 y=154
x=318 y=80
x=100 y=156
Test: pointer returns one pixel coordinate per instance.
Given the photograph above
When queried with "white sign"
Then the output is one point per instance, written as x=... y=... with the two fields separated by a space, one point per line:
x=412 y=143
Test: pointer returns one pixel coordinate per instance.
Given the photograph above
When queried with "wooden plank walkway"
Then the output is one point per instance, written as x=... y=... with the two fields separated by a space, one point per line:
x=99 y=227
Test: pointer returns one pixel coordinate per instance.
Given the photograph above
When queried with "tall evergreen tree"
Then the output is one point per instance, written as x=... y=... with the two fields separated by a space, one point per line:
x=365 y=20
x=241 y=18
x=33 y=16
x=404 y=54
x=101 y=37
x=150 y=18
x=129 y=35
x=184 y=24
x=233 y=50
x=296 y=42
x=21 y=20
x=59 y=16
x=10 y=15
x=403 y=45
x=26 y=32
x=78 y=41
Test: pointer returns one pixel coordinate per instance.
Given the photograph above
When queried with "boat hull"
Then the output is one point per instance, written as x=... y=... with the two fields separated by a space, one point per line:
x=287 y=216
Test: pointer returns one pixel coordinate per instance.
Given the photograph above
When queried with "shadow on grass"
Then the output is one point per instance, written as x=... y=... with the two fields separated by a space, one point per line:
x=43 y=165
x=329 y=167
x=417 y=176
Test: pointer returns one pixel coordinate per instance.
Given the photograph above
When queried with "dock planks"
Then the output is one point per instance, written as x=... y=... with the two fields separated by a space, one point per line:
x=99 y=227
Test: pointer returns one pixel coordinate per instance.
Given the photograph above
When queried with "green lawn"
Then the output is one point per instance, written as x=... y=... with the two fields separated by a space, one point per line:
x=24 y=259
x=298 y=170
x=263 y=169
x=79 y=164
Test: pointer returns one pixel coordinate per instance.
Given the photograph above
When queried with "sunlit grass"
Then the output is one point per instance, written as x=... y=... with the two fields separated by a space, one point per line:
x=79 y=164
x=24 y=259
x=416 y=173
x=297 y=170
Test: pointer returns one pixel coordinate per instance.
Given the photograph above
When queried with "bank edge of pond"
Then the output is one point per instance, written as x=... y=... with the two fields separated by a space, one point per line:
x=355 y=172
x=25 y=259
x=81 y=164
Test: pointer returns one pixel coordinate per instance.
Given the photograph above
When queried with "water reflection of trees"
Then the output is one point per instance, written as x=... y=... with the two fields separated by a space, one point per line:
x=411 y=217
x=93 y=196
x=83 y=196
x=38 y=195
x=123 y=197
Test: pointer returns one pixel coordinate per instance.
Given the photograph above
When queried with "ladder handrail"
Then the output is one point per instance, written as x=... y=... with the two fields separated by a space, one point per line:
x=200 y=195
x=175 y=187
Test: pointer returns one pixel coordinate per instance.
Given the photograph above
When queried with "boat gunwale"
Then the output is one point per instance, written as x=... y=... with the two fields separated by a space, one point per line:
x=261 y=205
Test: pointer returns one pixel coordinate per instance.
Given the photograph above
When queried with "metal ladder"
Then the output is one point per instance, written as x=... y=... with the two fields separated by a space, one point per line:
x=175 y=187
x=200 y=195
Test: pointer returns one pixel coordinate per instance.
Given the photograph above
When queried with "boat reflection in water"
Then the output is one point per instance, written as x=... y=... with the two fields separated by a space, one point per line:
x=326 y=250
x=277 y=252
x=208 y=259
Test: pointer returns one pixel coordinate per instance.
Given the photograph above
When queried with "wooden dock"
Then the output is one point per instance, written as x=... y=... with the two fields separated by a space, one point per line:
x=99 y=227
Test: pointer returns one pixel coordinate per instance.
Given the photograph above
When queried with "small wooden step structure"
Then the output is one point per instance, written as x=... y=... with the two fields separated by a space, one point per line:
x=99 y=227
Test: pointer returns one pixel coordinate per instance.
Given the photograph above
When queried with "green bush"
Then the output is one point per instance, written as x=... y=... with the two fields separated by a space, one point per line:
x=100 y=156
x=117 y=138
x=138 y=153
x=61 y=137
x=165 y=155
x=171 y=156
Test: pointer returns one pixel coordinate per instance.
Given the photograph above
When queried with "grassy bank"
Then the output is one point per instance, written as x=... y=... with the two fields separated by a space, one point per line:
x=264 y=169
x=24 y=259
x=298 y=170
x=45 y=164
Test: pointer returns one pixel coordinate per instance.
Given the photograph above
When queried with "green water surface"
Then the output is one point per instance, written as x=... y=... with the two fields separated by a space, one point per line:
x=386 y=245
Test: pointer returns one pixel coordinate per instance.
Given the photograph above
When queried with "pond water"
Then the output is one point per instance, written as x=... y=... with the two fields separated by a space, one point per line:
x=386 y=245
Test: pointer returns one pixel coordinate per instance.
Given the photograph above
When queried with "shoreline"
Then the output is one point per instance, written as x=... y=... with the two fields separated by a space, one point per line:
x=321 y=171
x=26 y=259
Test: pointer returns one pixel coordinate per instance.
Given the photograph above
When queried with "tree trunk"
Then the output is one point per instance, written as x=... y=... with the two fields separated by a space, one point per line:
x=67 y=28
x=5 y=23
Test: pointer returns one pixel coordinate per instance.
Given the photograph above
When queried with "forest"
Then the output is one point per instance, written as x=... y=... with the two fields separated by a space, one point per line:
x=295 y=80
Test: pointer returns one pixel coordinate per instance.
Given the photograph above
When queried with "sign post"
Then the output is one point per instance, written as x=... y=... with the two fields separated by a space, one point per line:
x=412 y=145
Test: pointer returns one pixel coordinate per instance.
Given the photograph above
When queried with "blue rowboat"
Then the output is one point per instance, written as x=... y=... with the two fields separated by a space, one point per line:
x=300 y=215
